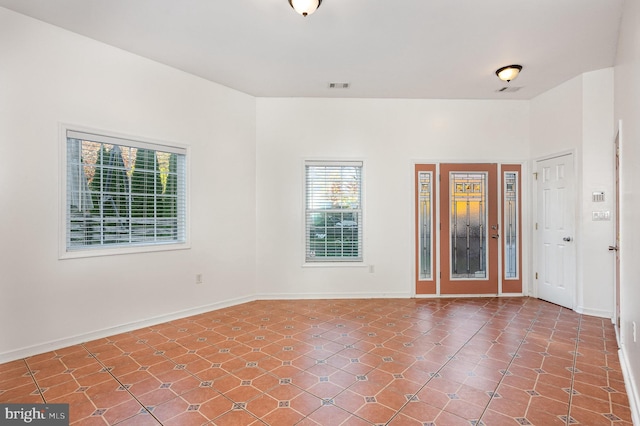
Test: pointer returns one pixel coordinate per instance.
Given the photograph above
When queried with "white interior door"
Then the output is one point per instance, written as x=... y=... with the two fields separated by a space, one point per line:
x=556 y=225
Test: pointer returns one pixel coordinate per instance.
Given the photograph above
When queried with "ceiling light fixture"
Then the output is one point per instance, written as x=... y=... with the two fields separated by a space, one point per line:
x=305 y=7
x=509 y=72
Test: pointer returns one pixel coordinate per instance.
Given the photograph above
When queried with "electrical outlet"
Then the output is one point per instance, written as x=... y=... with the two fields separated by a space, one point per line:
x=198 y=278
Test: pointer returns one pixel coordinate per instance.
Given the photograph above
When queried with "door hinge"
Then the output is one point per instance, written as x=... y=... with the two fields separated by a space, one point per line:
x=535 y=175
x=536 y=226
x=536 y=275
x=618 y=322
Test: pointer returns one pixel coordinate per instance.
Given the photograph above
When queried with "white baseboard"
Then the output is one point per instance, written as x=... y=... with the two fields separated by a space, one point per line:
x=293 y=296
x=600 y=313
x=632 y=389
x=111 y=331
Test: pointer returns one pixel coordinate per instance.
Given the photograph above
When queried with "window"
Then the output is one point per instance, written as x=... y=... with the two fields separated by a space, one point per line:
x=123 y=193
x=333 y=213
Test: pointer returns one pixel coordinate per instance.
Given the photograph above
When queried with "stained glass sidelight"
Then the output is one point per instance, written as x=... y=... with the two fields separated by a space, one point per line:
x=510 y=205
x=424 y=219
x=468 y=225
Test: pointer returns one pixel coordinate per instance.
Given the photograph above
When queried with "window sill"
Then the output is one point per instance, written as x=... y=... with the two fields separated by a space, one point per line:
x=335 y=265
x=97 y=252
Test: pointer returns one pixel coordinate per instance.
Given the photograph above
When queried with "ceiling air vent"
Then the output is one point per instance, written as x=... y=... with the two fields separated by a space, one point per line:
x=338 y=85
x=509 y=89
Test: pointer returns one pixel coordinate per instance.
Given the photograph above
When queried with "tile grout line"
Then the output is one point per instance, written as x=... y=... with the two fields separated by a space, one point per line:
x=573 y=370
x=522 y=341
x=35 y=381
x=451 y=359
x=108 y=370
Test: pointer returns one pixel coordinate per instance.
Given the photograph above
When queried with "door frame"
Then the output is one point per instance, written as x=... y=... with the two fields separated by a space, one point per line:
x=534 y=214
x=526 y=215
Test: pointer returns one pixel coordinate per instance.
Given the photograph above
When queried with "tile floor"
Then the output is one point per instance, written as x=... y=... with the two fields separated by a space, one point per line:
x=515 y=361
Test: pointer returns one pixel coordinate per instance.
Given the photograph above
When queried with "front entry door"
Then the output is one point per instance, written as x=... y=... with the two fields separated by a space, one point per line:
x=469 y=230
x=556 y=249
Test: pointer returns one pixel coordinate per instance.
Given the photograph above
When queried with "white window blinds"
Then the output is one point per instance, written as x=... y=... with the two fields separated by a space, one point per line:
x=121 y=192
x=333 y=212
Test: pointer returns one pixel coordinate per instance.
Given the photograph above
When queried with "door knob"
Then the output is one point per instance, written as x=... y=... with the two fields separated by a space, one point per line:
x=613 y=248
x=567 y=239
x=495 y=236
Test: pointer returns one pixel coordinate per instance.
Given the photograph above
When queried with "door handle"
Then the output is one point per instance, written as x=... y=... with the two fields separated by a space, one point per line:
x=567 y=239
x=613 y=248
x=495 y=236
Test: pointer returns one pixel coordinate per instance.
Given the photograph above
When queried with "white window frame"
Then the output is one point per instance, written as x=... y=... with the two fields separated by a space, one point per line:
x=333 y=261
x=67 y=131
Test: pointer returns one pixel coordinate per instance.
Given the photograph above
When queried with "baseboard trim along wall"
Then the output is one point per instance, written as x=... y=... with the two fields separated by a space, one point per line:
x=631 y=387
x=111 y=331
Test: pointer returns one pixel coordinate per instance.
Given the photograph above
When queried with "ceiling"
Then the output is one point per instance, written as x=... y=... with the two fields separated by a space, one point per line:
x=438 y=49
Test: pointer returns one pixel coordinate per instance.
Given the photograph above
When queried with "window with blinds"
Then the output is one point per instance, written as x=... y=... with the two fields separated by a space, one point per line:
x=333 y=212
x=123 y=193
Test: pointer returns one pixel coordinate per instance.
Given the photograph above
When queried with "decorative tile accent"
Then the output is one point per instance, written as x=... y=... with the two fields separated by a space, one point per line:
x=571 y=391
x=123 y=387
x=522 y=421
x=411 y=398
x=354 y=360
x=324 y=379
x=216 y=365
x=571 y=420
x=609 y=389
x=453 y=396
x=193 y=407
x=245 y=383
x=252 y=364
x=361 y=378
x=69 y=371
x=327 y=401
x=285 y=381
x=206 y=384
x=540 y=371
x=370 y=399
x=494 y=395
x=286 y=363
x=165 y=386
x=398 y=376
x=387 y=359
x=180 y=367
x=532 y=392
x=612 y=417
x=82 y=388
x=239 y=405
x=283 y=404
x=99 y=412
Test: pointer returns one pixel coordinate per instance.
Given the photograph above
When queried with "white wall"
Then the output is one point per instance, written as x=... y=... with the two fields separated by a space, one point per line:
x=577 y=117
x=389 y=135
x=49 y=76
x=627 y=109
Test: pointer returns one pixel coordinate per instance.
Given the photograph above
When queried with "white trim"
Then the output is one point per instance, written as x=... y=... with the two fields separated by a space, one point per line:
x=112 y=331
x=328 y=296
x=66 y=129
x=631 y=387
x=600 y=313
x=341 y=161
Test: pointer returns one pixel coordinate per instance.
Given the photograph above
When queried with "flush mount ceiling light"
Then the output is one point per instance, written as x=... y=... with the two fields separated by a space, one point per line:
x=305 y=7
x=509 y=72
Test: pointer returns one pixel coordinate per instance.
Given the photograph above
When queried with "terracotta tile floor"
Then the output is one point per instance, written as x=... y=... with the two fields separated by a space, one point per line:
x=516 y=361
